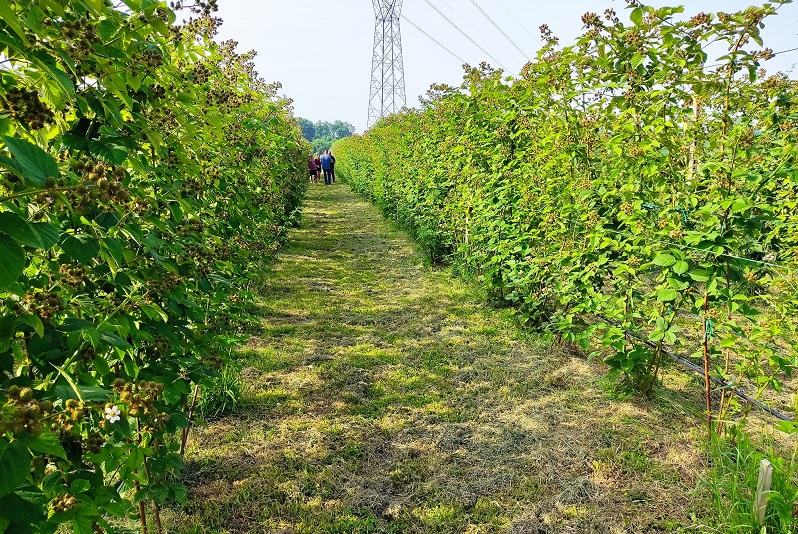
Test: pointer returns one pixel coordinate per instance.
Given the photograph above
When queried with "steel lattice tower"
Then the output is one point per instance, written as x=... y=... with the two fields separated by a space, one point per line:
x=387 y=69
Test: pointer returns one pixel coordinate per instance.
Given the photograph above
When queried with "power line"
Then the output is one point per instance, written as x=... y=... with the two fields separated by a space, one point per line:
x=434 y=40
x=774 y=54
x=491 y=41
x=516 y=19
x=500 y=30
x=456 y=27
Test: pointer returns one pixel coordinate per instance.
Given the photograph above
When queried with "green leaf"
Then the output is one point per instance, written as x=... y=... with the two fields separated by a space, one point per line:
x=47 y=233
x=61 y=78
x=81 y=247
x=73 y=324
x=35 y=164
x=12 y=261
x=14 y=464
x=44 y=443
x=15 y=226
x=7 y=331
x=681 y=267
x=83 y=522
x=114 y=340
x=12 y=20
x=87 y=393
x=664 y=260
x=34 y=322
x=636 y=16
x=699 y=275
x=111 y=153
x=667 y=295
x=107 y=29
x=81 y=485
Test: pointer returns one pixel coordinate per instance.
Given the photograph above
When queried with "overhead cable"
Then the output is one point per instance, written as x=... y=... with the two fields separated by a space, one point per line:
x=500 y=30
x=456 y=27
x=516 y=19
x=434 y=40
x=491 y=41
x=773 y=54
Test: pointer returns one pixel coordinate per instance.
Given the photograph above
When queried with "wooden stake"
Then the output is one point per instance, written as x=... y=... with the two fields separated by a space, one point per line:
x=190 y=422
x=694 y=143
x=707 y=383
x=762 y=490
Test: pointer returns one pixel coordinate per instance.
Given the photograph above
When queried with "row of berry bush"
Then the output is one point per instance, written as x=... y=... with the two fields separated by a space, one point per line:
x=634 y=192
x=146 y=174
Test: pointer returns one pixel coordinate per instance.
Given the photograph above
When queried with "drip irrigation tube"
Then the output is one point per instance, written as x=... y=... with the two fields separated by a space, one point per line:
x=699 y=370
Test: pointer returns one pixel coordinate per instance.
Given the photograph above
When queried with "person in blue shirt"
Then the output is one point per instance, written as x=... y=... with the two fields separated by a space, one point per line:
x=326 y=166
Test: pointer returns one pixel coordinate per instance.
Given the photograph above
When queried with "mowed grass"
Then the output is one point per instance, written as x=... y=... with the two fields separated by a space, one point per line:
x=383 y=395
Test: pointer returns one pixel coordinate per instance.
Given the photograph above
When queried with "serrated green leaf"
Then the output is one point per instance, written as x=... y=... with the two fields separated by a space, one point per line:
x=681 y=267
x=73 y=324
x=44 y=443
x=81 y=247
x=35 y=164
x=114 y=340
x=12 y=261
x=7 y=331
x=636 y=16
x=111 y=153
x=664 y=260
x=699 y=275
x=34 y=322
x=12 y=20
x=47 y=233
x=80 y=485
x=85 y=393
x=63 y=80
x=14 y=464
x=667 y=295
x=15 y=226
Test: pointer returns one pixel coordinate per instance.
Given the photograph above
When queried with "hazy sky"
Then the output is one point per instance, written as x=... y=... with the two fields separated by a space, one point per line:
x=321 y=50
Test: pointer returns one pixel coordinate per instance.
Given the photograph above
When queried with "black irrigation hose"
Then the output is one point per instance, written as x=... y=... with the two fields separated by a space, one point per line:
x=697 y=369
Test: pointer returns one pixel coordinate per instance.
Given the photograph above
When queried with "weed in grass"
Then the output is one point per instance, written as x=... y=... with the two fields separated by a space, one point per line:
x=224 y=396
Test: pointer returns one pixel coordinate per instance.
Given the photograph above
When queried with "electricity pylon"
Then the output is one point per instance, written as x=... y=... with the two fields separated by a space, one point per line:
x=387 y=69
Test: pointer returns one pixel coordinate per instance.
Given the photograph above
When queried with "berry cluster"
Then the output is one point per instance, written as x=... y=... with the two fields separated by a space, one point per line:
x=81 y=36
x=200 y=74
x=107 y=181
x=700 y=19
x=22 y=413
x=64 y=503
x=150 y=58
x=65 y=421
x=164 y=285
x=94 y=443
x=74 y=276
x=139 y=398
x=45 y=304
x=26 y=106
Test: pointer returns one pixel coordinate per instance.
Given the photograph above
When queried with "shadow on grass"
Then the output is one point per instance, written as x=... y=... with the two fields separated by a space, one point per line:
x=383 y=396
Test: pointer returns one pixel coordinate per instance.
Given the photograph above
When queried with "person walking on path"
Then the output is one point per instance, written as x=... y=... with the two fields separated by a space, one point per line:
x=313 y=170
x=332 y=165
x=318 y=168
x=326 y=166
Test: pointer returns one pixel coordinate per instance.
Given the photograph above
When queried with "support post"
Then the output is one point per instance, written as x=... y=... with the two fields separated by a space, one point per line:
x=762 y=491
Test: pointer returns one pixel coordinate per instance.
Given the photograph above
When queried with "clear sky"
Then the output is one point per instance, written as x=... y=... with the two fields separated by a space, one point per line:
x=320 y=50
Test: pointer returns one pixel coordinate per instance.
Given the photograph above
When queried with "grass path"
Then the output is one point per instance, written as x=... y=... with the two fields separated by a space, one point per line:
x=384 y=396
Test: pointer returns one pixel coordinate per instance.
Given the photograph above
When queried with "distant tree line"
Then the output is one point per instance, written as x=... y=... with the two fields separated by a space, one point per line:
x=322 y=134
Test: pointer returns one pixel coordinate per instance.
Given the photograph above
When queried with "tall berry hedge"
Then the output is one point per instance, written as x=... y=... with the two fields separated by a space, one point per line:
x=634 y=192
x=146 y=173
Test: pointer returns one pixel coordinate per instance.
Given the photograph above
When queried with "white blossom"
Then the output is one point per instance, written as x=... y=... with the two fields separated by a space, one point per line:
x=112 y=414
